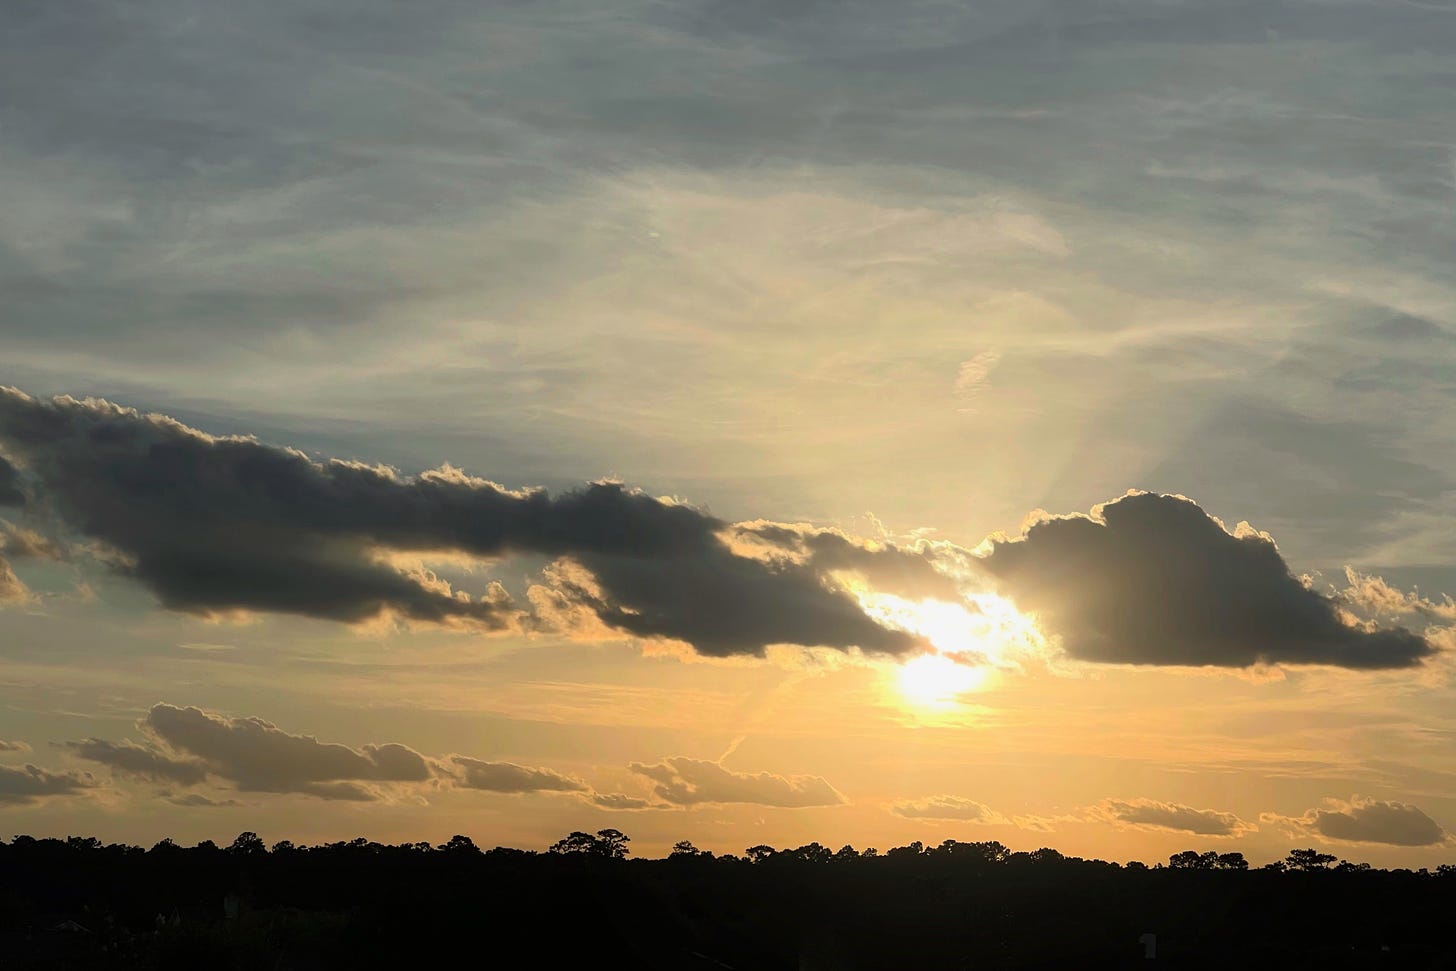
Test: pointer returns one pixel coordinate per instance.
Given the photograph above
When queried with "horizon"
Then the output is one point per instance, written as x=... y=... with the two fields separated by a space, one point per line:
x=249 y=842
x=741 y=423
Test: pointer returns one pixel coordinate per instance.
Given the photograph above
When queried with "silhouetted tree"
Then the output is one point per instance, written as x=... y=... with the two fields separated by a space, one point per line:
x=460 y=845
x=980 y=853
x=247 y=844
x=760 y=853
x=1308 y=860
x=901 y=852
x=612 y=843
x=609 y=843
x=809 y=853
x=360 y=903
x=574 y=842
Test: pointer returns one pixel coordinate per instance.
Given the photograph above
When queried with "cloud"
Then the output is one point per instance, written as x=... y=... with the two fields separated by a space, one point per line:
x=509 y=777
x=690 y=782
x=10 y=494
x=188 y=746
x=1151 y=814
x=1374 y=596
x=12 y=590
x=215 y=524
x=1153 y=579
x=20 y=542
x=198 y=800
x=30 y=784
x=618 y=801
x=947 y=807
x=257 y=756
x=6 y=746
x=139 y=761
x=1363 y=820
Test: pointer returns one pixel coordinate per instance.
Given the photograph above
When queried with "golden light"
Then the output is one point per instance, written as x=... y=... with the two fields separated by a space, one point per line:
x=972 y=639
x=936 y=681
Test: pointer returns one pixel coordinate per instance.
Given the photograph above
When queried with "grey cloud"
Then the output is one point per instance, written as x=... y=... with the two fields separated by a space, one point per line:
x=189 y=746
x=509 y=777
x=683 y=781
x=139 y=761
x=1171 y=816
x=334 y=791
x=198 y=800
x=1152 y=579
x=257 y=756
x=213 y=524
x=30 y=784
x=10 y=494
x=946 y=807
x=1364 y=820
x=189 y=191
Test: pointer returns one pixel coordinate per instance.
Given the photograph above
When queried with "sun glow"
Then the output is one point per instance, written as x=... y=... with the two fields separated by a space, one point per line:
x=936 y=680
x=971 y=640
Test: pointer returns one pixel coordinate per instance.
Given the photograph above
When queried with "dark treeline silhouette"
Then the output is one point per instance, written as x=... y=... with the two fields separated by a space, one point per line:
x=584 y=902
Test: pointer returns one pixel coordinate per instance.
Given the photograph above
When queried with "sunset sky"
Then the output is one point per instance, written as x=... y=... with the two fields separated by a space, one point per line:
x=744 y=421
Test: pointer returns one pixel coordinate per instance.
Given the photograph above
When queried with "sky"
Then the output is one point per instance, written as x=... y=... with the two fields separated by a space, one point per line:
x=738 y=421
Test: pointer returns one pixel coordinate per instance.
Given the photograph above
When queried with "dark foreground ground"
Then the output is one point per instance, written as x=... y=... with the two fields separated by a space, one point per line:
x=78 y=904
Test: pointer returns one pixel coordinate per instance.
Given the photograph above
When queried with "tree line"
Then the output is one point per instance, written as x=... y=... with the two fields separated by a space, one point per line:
x=587 y=900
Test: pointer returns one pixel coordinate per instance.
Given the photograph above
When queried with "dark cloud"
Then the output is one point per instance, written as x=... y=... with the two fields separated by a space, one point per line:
x=1171 y=816
x=216 y=524
x=689 y=782
x=10 y=494
x=947 y=807
x=1366 y=821
x=1152 y=579
x=29 y=784
x=257 y=756
x=139 y=761
x=509 y=777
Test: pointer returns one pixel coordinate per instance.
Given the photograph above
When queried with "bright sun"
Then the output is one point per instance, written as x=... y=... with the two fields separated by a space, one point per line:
x=971 y=640
x=936 y=680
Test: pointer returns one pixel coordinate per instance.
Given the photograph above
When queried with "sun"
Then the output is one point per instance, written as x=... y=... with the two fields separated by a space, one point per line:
x=972 y=640
x=937 y=680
